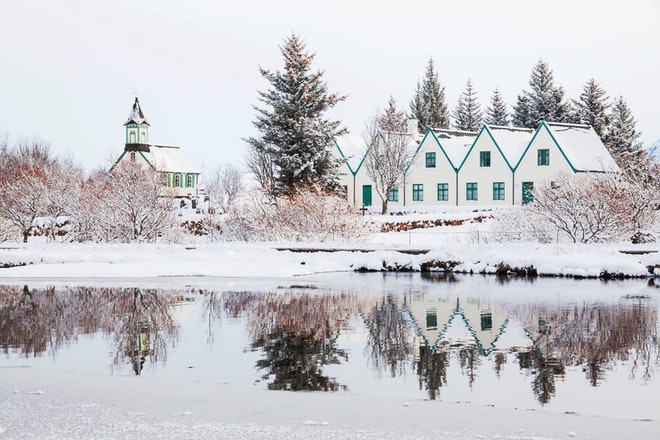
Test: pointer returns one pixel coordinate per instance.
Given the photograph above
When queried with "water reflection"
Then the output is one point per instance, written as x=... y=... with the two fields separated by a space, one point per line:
x=297 y=334
x=426 y=329
x=35 y=321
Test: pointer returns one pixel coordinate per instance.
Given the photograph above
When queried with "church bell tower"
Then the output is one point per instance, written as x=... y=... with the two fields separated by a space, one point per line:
x=137 y=130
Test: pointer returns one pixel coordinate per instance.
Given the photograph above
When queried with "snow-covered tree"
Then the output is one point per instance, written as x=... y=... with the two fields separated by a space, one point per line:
x=135 y=204
x=467 y=114
x=496 y=113
x=543 y=102
x=294 y=133
x=428 y=104
x=621 y=137
x=389 y=152
x=592 y=106
x=224 y=186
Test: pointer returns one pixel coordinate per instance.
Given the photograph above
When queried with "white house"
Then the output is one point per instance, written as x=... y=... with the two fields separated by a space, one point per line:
x=495 y=166
x=559 y=148
x=181 y=173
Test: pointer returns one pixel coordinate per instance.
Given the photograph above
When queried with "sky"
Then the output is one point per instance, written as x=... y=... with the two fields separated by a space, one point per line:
x=70 y=70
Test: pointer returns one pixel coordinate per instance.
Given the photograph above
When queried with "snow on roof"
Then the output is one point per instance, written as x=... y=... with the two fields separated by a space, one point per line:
x=582 y=147
x=512 y=141
x=170 y=159
x=456 y=144
x=353 y=148
x=136 y=116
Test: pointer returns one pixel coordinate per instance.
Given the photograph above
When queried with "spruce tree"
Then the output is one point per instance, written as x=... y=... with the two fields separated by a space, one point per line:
x=544 y=102
x=497 y=113
x=428 y=105
x=591 y=108
x=294 y=135
x=467 y=114
x=622 y=137
x=392 y=120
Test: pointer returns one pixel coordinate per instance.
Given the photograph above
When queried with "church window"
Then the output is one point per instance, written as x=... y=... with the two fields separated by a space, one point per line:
x=177 y=180
x=189 y=181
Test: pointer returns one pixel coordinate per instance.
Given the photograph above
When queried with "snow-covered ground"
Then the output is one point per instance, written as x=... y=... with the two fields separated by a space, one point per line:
x=42 y=404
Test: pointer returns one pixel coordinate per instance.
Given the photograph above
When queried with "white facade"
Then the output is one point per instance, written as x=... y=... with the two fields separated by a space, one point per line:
x=496 y=166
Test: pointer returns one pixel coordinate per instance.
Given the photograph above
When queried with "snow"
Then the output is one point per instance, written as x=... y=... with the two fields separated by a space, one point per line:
x=353 y=149
x=583 y=148
x=456 y=147
x=170 y=159
x=512 y=141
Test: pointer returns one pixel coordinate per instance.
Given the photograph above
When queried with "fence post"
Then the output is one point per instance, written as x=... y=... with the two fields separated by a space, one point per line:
x=409 y=238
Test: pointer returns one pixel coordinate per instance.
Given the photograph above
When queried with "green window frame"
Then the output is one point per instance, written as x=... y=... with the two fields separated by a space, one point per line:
x=393 y=194
x=430 y=160
x=471 y=191
x=443 y=192
x=484 y=158
x=418 y=192
x=543 y=157
x=498 y=190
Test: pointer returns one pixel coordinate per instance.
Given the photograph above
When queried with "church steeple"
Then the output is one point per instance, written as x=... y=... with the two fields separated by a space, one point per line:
x=137 y=129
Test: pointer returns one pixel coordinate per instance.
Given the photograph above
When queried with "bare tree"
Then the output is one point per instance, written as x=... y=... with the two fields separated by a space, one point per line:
x=261 y=164
x=135 y=204
x=224 y=186
x=593 y=208
x=390 y=150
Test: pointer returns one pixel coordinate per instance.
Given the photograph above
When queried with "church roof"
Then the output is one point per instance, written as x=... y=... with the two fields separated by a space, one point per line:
x=170 y=159
x=136 y=117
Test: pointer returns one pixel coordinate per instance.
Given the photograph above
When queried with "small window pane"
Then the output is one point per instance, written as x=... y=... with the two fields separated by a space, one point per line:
x=443 y=192
x=471 y=191
x=484 y=159
x=430 y=160
x=418 y=192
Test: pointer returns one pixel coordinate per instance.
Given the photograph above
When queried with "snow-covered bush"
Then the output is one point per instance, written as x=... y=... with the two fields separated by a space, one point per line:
x=306 y=215
x=521 y=224
x=587 y=208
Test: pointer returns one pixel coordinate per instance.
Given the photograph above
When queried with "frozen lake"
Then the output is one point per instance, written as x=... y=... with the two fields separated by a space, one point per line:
x=561 y=345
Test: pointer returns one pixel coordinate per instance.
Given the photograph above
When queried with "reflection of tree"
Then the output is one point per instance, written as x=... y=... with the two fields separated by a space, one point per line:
x=143 y=326
x=432 y=370
x=37 y=320
x=391 y=337
x=298 y=334
x=469 y=360
x=545 y=370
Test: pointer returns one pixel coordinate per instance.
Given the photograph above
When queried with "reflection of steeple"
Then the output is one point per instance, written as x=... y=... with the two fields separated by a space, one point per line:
x=141 y=350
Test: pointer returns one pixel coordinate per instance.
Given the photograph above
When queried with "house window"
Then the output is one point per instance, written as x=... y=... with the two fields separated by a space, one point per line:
x=486 y=321
x=544 y=157
x=471 y=191
x=432 y=319
x=418 y=192
x=498 y=190
x=484 y=158
x=177 y=180
x=189 y=181
x=430 y=160
x=393 y=195
x=443 y=192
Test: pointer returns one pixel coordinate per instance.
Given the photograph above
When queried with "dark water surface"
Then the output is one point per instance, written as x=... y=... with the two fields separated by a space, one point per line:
x=583 y=346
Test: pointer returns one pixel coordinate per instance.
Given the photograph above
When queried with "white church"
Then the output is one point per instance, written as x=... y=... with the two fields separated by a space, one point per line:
x=182 y=175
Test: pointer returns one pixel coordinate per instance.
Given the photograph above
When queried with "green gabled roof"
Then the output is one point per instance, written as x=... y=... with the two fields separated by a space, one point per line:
x=431 y=132
x=543 y=125
x=485 y=128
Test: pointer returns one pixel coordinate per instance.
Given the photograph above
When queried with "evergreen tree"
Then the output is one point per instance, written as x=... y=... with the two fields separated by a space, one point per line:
x=497 y=113
x=392 y=120
x=622 y=137
x=428 y=104
x=521 y=113
x=544 y=102
x=294 y=133
x=591 y=108
x=467 y=114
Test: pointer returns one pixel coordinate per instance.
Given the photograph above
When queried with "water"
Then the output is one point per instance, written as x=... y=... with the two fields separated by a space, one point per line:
x=563 y=345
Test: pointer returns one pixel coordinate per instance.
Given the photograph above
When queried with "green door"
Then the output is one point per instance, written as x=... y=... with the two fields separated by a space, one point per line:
x=366 y=195
x=527 y=196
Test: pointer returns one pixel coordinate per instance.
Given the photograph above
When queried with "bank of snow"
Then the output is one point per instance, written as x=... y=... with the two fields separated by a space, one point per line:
x=239 y=260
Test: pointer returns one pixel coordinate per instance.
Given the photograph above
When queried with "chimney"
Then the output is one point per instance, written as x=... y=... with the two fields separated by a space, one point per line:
x=411 y=127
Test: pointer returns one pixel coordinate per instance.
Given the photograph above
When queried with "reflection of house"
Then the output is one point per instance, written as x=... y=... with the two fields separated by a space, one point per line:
x=181 y=173
x=496 y=165
x=433 y=316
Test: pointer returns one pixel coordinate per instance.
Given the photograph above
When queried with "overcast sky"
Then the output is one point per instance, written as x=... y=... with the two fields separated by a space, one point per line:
x=70 y=70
